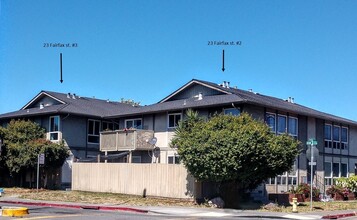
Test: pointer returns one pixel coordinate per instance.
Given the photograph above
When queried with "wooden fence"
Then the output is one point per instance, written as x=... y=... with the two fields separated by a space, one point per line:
x=162 y=180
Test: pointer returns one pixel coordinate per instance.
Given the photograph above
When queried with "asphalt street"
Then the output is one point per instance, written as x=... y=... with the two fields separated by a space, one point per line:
x=43 y=212
x=76 y=211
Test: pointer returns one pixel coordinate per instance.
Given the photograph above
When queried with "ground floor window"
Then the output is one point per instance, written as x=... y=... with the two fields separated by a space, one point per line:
x=334 y=170
x=289 y=178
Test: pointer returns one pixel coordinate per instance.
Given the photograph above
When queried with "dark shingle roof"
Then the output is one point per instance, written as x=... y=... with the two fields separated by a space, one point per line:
x=79 y=106
x=231 y=95
x=276 y=103
x=207 y=101
x=102 y=108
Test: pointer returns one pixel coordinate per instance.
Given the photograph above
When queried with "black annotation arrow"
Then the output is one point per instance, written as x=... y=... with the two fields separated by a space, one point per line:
x=61 y=80
x=223 y=61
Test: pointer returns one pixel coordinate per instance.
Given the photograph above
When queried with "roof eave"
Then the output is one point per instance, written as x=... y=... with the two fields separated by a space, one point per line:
x=38 y=96
x=187 y=85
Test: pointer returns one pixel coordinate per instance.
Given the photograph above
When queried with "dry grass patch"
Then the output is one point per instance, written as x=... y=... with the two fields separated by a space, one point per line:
x=96 y=198
x=316 y=206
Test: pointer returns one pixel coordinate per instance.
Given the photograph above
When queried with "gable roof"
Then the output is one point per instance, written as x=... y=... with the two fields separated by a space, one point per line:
x=226 y=96
x=69 y=104
x=195 y=81
x=177 y=105
x=276 y=103
x=234 y=95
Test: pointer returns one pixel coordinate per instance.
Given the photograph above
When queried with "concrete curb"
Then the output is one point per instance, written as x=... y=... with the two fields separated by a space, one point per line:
x=14 y=211
x=75 y=206
x=337 y=216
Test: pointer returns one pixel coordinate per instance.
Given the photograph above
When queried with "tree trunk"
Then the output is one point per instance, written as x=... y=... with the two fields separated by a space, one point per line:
x=231 y=194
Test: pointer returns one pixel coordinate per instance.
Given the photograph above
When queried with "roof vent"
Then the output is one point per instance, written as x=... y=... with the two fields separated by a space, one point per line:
x=184 y=102
x=250 y=90
x=69 y=95
x=227 y=85
x=74 y=96
x=41 y=106
x=290 y=99
x=200 y=96
x=108 y=100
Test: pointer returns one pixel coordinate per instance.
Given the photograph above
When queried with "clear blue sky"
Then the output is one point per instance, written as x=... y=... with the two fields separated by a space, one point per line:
x=144 y=50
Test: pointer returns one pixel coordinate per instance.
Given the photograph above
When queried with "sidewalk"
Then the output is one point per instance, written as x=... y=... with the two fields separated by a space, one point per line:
x=182 y=211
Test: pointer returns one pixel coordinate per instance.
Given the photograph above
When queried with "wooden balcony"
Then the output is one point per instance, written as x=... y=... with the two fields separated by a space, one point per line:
x=123 y=140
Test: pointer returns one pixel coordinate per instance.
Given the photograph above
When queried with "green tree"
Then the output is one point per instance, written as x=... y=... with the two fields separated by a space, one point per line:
x=239 y=153
x=23 y=141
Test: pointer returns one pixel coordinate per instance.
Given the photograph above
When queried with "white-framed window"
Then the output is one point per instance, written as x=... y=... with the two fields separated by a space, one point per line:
x=282 y=121
x=336 y=135
x=280 y=124
x=334 y=170
x=270 y=119
x=328 y=135
x=231 y=111
x=136 y=159
x=173 y=119
x=289 y=178
x=134 y=123
x=93 y=131
x=173 y=159
x=328 y=173
x=293 y=126
x=54 y=128
x=107 y=126
x=292 y=175
x=344 y=137
x=271 y=181
x=344 y=170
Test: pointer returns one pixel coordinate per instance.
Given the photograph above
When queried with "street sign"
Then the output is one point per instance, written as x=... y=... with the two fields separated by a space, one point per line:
x=312 y=163
x=311 y=142
x=41 y=158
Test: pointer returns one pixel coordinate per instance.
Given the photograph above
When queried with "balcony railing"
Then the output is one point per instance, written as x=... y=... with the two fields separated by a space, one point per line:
x=123 y=140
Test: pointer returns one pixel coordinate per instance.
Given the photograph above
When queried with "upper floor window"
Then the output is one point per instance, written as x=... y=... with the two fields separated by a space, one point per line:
x=231 y=111
x=328 y=135
x=93 y=131
x=270 y=120
x=281 y=124
x=54 y=128
x=293 y=126
x=344 y=137
x=336 y=133
x=335 y=136
x=134 y=123
x=173 y=119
